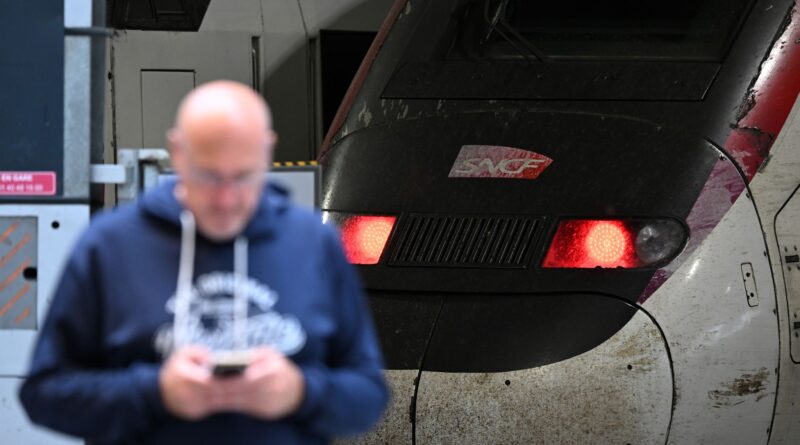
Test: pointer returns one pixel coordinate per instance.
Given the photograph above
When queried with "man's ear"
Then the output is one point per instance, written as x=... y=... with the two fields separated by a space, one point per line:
x=272 y=138
x=175 y=147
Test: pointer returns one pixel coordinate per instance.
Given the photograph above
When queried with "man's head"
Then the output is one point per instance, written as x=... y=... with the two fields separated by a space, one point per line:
x=221 y=147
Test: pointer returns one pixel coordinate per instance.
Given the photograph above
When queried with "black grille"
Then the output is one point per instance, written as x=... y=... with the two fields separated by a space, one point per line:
x=478 y=241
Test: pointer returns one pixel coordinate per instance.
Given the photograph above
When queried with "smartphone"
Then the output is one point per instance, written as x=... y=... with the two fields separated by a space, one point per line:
x=228 y=369
x=230 y=363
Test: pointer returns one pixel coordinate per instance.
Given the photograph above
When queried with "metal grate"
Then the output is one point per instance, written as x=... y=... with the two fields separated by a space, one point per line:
x=480 y=241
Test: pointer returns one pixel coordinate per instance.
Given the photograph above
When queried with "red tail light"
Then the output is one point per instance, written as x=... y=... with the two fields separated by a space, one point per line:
x=613 y=243
x=363 y=237
x=607 y=243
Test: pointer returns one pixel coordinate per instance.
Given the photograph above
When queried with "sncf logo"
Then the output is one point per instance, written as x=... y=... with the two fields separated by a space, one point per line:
x=512 y=167
x=491 y=161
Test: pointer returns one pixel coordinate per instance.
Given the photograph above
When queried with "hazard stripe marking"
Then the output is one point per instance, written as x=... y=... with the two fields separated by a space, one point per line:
x=21 y=317
x=7 y=307
x=14 y=274
x=8 y=231
x=15 y=249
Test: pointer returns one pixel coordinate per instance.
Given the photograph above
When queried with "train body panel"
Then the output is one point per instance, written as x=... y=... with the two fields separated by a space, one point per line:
x=396 y=426
x=723 y=342
x=774 y=186
x=603 y=388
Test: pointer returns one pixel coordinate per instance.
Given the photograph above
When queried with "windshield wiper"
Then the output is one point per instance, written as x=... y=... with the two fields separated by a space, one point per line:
x=497 y=22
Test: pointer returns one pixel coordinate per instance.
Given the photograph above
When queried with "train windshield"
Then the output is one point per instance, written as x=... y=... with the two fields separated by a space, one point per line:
x=677 y=30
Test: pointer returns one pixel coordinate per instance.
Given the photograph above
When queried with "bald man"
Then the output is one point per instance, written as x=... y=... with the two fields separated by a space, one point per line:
x=158 y=297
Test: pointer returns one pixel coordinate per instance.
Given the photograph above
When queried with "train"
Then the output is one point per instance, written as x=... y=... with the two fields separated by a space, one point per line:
x=578 y=222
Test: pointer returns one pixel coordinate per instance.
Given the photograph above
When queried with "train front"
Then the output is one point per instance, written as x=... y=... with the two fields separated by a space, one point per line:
x=555 y=244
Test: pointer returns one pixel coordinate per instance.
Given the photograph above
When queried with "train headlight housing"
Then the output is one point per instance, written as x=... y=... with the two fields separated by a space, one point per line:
x=363 y=237
x=658 y=240
x=614 y=243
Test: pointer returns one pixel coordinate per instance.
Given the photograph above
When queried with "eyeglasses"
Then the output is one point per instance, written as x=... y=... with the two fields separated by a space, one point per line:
x=209 y=179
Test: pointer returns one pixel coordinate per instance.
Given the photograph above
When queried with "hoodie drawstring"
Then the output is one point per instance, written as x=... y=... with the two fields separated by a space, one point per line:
x=239 y=296
x=184 y=294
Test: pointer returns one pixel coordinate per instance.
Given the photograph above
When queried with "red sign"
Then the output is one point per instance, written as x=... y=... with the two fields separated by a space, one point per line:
x=27 y=183
x=492 y=161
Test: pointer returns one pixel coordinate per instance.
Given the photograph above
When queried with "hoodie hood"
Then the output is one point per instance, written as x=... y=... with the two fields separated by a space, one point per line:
x=160 y=203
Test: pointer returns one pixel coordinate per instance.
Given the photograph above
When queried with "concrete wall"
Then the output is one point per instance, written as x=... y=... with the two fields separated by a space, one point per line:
x=284 y=59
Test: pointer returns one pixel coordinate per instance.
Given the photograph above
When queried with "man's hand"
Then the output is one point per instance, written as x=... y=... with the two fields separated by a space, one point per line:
x=270 y=388
x=187 y=387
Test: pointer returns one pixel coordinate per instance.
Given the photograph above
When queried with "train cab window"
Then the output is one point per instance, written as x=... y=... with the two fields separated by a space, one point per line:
x=678 y=30
x=567 y=50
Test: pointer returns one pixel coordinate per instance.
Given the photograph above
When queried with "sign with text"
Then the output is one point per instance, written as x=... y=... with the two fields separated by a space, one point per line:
x=27 y=183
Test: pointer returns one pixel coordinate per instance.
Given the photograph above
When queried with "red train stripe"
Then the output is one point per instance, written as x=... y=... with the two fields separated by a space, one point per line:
x=361 y=74
x=769 y=100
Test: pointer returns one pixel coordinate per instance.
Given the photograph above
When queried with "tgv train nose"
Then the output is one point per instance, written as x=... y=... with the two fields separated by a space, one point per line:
x=521 y=369
x=618 y=392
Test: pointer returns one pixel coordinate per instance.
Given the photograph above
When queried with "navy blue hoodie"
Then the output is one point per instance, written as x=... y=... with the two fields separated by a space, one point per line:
x=94 y=372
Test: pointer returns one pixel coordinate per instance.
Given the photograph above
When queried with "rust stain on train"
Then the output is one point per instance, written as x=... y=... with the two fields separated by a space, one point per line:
x=745 y=385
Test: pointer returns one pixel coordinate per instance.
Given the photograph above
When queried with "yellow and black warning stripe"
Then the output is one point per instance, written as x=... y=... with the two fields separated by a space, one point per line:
x=295 y=164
